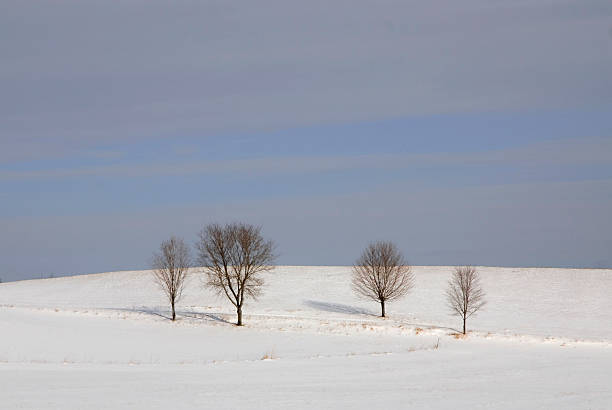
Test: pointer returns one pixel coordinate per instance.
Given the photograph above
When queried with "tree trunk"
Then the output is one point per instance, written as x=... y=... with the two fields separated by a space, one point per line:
x=239 y=312
x=173 y=312
x=382 y=308
x=464 y=325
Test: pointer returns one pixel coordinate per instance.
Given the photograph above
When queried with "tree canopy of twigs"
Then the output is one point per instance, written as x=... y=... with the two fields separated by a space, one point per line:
x=382 y=274
x=465 y=295
x=170 y=267
x=233 y=257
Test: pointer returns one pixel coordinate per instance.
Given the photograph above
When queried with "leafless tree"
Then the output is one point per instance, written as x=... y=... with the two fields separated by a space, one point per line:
x=170 y=267
x=464 y=294
x=382 y=274
x=233 y=257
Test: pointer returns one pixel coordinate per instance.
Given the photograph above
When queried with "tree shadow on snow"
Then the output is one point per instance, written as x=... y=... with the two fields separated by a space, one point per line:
x=352 y=310
x=429 y=326
x=337 y=308
x=144 y=311
x=208 y=317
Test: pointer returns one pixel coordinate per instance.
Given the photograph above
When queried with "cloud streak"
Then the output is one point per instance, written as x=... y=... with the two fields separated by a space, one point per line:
x=568 y=152
x=209 y=68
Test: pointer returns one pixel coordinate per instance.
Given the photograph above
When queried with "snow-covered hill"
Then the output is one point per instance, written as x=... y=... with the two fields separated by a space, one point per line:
x=544 y=340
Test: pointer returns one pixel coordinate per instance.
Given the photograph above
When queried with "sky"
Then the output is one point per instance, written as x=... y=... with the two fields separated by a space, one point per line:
x=474 y=132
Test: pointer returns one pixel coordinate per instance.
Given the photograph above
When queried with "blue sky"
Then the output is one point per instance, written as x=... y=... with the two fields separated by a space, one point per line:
x=479 y=133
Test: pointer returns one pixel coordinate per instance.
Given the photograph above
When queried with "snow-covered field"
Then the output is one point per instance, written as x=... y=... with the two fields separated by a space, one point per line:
x=544 y=341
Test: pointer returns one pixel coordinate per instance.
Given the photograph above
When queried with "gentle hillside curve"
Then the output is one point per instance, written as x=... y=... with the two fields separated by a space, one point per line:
x=546 y=302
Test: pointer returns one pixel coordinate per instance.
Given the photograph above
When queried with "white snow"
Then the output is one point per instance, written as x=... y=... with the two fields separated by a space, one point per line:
x=544 y=340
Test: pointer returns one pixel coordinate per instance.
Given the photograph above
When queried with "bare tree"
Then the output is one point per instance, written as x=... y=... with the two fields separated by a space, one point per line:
x=464 y=294
x=233 y=257
x=170 y=266
x=382 y=274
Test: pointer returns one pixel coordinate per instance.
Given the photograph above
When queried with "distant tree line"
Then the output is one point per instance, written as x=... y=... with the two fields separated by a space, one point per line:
x=233 y=257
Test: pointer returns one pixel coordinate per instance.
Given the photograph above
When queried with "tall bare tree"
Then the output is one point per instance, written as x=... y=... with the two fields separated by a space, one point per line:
x=464 y=294
x=170 y=267
x=233 y=257
x=382 y=274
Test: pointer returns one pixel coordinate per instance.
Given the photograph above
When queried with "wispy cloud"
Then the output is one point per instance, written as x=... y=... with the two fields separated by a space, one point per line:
x=568 y=152
x=213 y=68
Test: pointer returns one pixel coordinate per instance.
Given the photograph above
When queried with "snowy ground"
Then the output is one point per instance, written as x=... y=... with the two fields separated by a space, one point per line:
x=104 y=341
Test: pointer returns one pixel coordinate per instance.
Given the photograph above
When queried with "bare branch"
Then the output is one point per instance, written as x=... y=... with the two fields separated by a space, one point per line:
x=233 y=256
x=464 y=294
x=382 y=274
x=170 y=267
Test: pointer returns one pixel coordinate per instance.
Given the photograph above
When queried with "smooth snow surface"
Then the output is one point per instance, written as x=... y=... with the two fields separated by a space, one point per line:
x=544 y=340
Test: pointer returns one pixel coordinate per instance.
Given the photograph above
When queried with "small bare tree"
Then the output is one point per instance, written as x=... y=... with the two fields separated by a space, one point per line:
x=233 y=257
x=382 y=274
x=464 y=294
x=170 y=266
